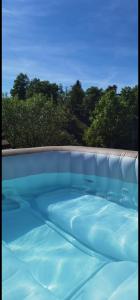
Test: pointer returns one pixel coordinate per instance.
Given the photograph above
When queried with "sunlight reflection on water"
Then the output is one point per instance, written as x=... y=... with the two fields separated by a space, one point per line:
x=88 y=232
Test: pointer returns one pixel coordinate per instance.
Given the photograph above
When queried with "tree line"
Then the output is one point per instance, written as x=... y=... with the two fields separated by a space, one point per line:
x=40 y=113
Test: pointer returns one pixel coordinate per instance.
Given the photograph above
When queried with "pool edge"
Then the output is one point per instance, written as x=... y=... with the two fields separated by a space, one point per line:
x=107 y=151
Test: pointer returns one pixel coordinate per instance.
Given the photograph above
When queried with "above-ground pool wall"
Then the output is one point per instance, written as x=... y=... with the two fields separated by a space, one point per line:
x=119 y=165
x=89 y=166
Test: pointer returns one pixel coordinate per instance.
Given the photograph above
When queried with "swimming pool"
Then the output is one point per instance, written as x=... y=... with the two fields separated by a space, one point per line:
x=69 y=218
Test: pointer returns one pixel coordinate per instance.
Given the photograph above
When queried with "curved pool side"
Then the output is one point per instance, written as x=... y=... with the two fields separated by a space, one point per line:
x=117 y=164
x=76 y=245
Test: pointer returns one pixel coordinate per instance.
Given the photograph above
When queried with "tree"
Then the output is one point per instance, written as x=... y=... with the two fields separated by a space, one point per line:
x=53 y=116
x=129 y=104
x=74 y=126
x=104 y=130
x=92 y=96
x=20 y=86
x=33 y=87
x=112 y=88
x=36 y=87
x=35 y=122
x=55 y=91
x=76 y=96
x=115 y=121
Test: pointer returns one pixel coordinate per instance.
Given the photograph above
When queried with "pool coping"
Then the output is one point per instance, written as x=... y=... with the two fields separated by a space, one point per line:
x=107 y=151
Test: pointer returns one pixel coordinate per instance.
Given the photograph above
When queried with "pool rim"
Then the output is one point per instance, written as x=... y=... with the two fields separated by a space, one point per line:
x=82 y=149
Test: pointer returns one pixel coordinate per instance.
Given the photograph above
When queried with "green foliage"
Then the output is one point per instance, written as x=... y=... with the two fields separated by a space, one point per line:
x=111 y=88
x=45 y=88
x=75 y=127
x=76 y=96
x=114 y=123
x=91 y=98
x=129 y=117
x=52 y=116
x=21 y=84
x=35 y=122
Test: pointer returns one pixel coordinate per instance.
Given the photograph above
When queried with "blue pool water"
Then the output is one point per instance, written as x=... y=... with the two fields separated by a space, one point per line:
x=69 y=236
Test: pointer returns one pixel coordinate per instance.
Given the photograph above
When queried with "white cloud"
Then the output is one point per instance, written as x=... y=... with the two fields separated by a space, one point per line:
x=31 y=8
x=70 y=72
x=59 y=61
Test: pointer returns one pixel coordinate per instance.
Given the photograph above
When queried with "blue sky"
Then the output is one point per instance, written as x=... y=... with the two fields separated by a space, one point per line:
x=94 y=41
